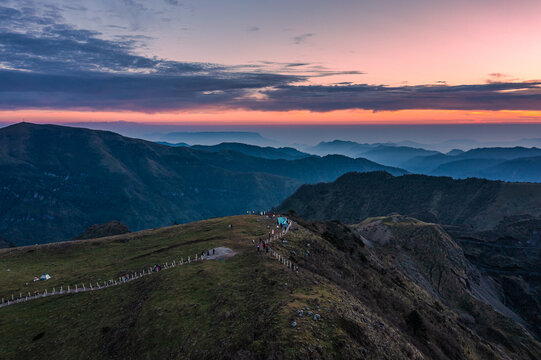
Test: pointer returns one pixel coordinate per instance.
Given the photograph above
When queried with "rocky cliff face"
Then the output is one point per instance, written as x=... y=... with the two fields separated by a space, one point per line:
x=428 y=255
x=417 y=280
x=511 y=256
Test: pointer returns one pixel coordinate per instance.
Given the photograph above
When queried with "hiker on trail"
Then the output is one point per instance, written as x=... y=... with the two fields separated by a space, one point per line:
x=266 y=248
x=208 y=252
x=253 y=241
x=257 y=247
x=213 y=251
x=36 y=293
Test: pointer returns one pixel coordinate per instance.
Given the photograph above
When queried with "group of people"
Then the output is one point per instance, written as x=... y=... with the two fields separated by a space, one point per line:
x=156 y=268
x=261 y=244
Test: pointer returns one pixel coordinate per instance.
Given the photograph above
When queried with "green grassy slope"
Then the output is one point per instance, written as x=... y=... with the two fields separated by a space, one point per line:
x=238 y=308
x=101 y=259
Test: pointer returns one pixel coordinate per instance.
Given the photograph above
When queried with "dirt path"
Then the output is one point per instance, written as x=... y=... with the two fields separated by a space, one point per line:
x=220 y=253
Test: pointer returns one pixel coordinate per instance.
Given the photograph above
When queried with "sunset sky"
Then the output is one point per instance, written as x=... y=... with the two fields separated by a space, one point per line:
x=271 y=62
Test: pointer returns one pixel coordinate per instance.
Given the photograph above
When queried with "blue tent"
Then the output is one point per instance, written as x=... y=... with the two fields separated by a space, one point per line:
x=282 y=220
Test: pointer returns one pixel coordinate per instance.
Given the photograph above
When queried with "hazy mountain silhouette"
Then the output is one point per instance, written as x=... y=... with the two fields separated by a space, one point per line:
x=395 y=155
x=268 y=152
x=55 y=181
x=215 y=137
x=482 y=162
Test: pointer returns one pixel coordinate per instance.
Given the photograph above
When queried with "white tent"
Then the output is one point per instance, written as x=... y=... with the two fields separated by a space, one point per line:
x=45 y=277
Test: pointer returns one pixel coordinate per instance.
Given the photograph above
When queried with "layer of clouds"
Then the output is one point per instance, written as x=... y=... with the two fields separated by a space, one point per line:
x=490 y=96
x=48 y=64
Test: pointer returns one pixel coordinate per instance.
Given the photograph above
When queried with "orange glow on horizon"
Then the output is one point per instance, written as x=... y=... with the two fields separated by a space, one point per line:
x=242 y=117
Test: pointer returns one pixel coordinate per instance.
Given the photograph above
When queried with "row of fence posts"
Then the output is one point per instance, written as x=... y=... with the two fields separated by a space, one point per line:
x=97 y=285
x=133 y=276
x=280 y=258
x=284 y=261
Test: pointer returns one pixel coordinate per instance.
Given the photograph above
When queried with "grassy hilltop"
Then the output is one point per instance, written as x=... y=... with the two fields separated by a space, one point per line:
x=241 y=307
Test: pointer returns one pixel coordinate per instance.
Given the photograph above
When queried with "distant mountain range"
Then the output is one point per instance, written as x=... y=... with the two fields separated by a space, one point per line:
x=172 y=144
x=287 y=153
x=55 y=181
x=214 y=137
x=509 y=164
x=268 y=152
x=497 y=163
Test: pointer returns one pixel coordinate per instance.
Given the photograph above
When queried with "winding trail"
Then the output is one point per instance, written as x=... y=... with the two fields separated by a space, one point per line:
x=220 y=253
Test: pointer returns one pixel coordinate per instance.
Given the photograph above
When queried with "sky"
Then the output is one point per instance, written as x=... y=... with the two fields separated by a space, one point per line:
x=244 y=62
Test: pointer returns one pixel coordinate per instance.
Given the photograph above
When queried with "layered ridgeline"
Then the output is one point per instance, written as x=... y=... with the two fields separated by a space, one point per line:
x=509 y=164
x=404 y=292
x=267 y=152
x=55 y=181
x=481 y=204
x=496 y=163
x=388 y=153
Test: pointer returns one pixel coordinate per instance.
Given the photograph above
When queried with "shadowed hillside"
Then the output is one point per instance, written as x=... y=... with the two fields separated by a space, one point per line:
x=353 y=197
x=56 y=181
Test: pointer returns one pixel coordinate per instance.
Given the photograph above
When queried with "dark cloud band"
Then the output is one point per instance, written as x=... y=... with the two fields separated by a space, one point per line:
x=46 y=64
